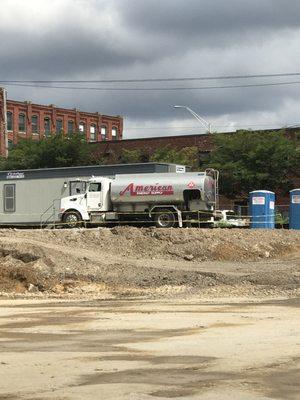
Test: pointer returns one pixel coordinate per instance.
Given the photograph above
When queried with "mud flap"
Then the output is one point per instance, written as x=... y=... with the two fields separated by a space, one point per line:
x=179 y=216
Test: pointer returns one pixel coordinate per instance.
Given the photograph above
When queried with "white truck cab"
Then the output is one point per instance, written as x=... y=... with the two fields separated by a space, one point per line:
x=94 y=202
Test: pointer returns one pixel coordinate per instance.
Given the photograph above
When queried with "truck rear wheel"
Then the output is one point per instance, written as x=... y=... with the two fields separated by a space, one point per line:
x=164 y=218
x=72 y=219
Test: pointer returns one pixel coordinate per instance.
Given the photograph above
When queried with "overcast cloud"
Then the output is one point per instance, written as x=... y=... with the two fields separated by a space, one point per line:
x=132 y=39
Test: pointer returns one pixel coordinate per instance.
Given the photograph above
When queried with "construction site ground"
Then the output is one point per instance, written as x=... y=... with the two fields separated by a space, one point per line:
x=145 y=313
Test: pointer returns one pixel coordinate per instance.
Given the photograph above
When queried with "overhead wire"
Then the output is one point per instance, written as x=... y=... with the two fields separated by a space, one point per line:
x=133 y=89
x=249 y=76
x=217 y=126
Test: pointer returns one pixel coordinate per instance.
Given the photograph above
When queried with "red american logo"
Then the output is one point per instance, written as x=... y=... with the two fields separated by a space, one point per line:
x=148 y=190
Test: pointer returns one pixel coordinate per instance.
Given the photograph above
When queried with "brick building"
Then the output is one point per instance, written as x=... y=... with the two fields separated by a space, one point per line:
x=27 y=120
x=112 y=150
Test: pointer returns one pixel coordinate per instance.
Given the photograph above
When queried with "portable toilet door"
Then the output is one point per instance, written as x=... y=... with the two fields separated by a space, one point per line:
x=262 y=209
x=294 y=209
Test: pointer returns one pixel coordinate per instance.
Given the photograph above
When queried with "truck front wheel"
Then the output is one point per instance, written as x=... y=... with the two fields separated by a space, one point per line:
x=164 y=218
x=72 y=219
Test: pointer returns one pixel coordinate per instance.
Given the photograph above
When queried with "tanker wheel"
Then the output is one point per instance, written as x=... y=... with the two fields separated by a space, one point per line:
x=164 y=219
x=72 y=219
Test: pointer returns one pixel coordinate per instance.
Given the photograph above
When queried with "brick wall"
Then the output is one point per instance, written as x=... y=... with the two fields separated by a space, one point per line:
x=113 y=150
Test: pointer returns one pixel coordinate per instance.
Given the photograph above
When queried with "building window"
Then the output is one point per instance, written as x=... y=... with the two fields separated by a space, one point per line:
x=35 y=124
x=93 y=135
x=22 y=123
x=70 y=127
x=82 y=127
x=10 y=125
x=9 y=198
x=10 y=144
x=114 y=133
x=47 y=126
x=59 y=126
x=103 y=133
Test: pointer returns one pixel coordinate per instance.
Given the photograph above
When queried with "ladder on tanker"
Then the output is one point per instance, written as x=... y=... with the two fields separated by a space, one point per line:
x=215 y=175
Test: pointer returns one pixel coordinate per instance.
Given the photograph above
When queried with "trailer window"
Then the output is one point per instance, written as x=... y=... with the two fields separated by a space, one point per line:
x=9 y=198
x=95 y=187
x=77 y=187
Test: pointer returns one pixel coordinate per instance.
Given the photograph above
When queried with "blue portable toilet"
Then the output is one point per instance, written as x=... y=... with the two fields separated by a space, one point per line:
x=262 y=209
x=295 y=209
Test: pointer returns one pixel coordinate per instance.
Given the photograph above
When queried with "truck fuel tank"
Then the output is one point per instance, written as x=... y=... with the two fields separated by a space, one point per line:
x=164 y=188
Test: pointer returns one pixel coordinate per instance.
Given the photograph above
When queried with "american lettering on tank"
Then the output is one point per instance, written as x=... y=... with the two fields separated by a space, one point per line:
x=148 y=190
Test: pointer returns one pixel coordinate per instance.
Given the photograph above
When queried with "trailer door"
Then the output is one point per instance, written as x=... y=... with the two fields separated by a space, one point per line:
x=94 y=196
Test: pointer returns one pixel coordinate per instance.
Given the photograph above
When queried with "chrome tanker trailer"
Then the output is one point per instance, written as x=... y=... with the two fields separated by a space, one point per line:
x=167 y=199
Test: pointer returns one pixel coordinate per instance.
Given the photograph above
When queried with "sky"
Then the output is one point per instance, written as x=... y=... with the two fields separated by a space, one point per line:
x=148 y=39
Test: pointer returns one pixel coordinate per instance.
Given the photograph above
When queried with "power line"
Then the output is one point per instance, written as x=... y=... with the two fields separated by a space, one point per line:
x=285 y=124
x=134 y=89
x=158 y=79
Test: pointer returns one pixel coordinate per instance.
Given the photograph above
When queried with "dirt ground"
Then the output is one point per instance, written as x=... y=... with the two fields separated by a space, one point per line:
x=140 y=313
x=149 y=262
x=149 y=349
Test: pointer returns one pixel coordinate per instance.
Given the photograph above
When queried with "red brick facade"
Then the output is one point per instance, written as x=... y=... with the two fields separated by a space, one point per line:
x=27 y=120
x=113 y=150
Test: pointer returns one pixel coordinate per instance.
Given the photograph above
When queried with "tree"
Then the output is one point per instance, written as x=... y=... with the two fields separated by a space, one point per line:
x=131 y=156
x=56 y=151
x=186 y=156
x=255 y=160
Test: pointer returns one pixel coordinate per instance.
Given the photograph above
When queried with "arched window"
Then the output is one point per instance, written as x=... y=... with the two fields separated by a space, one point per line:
x=70 y=127
x=93 y=133
x=10 y=124
x=114 y=133
x=82 y=127
x=59 y=126
x=47 y=126
x=103 y=132
x=35 y=124
x=22 y=123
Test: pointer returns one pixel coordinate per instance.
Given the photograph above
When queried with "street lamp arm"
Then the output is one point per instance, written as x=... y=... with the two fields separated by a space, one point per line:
x=198 y=118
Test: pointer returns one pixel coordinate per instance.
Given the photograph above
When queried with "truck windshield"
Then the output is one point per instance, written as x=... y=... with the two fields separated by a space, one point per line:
x=95 y=187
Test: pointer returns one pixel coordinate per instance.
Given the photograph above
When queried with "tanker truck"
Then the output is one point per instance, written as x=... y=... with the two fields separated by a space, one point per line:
x=165 y=199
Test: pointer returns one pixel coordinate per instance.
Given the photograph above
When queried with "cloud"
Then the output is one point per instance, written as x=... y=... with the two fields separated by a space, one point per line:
x=102 y=39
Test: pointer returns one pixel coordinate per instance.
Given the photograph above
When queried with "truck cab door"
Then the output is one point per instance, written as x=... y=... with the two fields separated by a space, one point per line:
x=94 y=196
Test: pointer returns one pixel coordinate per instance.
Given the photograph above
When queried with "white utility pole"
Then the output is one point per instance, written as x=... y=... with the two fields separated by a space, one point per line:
x=3 y=94
x=5 y=122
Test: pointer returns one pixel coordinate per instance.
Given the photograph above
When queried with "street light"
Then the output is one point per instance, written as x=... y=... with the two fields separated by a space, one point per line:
x=198 y=118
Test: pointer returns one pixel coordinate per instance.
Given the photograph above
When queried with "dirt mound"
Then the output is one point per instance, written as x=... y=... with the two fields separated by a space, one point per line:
x=182 y=244
x=23 y=271
x=123 y=258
